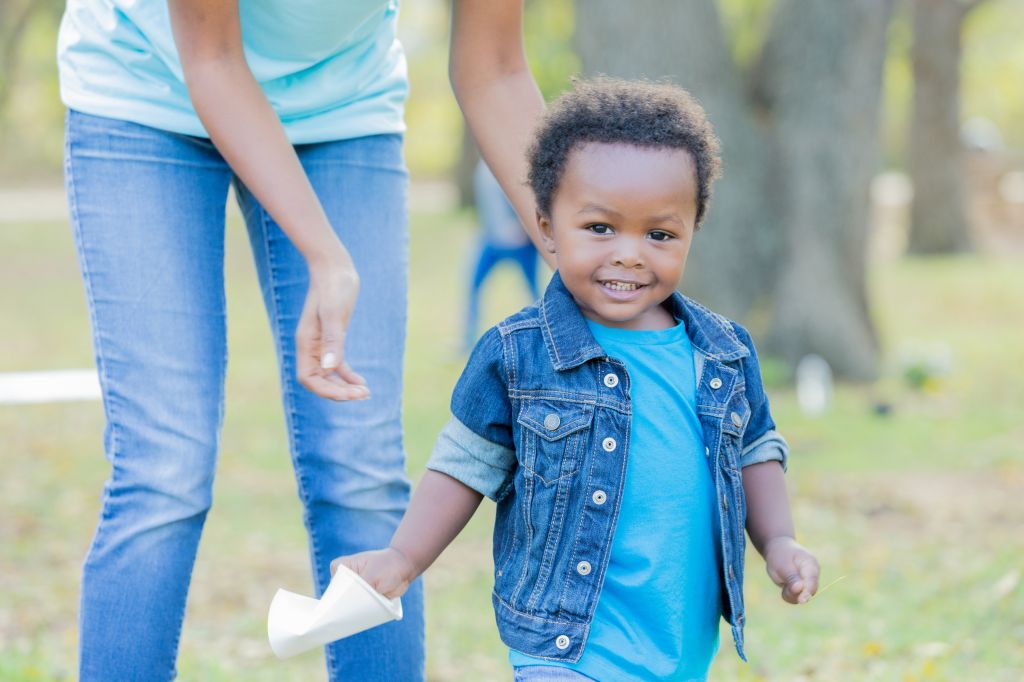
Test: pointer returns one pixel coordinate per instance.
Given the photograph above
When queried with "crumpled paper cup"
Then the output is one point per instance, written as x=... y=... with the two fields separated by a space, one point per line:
x=296 y=623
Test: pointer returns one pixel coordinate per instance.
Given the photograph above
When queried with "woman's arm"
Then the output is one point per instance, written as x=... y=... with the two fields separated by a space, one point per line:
x=248 y=134
x=498 y=95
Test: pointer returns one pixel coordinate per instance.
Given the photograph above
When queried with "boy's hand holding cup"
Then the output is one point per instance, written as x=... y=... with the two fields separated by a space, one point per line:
x=386 y=570
x=792 y=568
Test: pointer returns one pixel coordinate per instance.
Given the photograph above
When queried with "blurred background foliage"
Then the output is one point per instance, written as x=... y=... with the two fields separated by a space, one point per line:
x=31 y=115
x=908 y=485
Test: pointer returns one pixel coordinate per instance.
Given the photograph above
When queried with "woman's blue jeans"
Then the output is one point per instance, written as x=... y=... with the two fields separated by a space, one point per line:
x=147 y=210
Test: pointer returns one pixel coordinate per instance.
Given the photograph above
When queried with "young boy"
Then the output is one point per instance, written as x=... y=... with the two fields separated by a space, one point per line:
x=621 y=428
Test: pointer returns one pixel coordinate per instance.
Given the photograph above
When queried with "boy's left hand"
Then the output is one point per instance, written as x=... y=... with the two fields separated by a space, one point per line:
x=386 y=570
x=792 y=568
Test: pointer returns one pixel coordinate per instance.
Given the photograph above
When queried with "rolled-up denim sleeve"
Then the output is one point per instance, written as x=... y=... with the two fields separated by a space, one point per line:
x=770 y=446
x=761 y=442
x=484 y=466
x=476 y=447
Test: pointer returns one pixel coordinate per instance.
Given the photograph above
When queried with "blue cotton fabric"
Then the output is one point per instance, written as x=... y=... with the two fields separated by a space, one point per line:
x=332 y=70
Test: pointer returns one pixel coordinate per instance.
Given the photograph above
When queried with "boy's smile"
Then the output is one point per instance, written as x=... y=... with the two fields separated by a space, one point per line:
x=621 y=224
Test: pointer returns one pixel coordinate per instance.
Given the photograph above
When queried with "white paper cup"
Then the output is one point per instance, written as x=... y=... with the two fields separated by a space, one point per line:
x=296 y=623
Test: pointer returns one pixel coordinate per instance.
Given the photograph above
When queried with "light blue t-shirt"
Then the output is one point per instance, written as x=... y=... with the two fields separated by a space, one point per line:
x=332 y=69
x=658 y=613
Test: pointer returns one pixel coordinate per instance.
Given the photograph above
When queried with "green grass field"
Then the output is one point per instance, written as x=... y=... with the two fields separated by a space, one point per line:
x=918 y=513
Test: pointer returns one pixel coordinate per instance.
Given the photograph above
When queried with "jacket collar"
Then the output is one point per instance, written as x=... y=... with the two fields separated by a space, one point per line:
x=570 y=343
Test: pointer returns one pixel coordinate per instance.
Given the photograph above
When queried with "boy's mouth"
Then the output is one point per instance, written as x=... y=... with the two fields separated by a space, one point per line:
x=619 y=285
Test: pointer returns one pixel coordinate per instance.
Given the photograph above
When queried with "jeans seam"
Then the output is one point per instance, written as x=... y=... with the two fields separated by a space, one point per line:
x=294 y=436
x=101 y=368
x=87 y=281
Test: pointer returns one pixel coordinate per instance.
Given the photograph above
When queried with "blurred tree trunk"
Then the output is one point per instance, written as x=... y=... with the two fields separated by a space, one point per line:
x=938 y=214
x=787 y=230
x=822 y=74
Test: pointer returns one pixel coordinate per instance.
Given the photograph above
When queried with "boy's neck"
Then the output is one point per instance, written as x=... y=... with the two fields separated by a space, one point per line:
x=656 y=318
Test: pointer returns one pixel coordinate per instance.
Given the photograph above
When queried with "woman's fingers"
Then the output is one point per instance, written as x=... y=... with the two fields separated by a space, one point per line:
x=332 y=333
x=320 y=341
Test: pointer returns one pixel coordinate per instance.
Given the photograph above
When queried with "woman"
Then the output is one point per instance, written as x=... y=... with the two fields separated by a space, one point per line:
x=299 y=106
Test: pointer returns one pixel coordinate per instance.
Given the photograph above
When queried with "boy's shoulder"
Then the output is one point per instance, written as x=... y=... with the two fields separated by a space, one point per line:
x=715 y=327
x=492 y=341
x=529 y=317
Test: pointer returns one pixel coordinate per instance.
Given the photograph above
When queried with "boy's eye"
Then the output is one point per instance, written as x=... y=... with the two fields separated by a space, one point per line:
x=659 y=236
x=600 y=228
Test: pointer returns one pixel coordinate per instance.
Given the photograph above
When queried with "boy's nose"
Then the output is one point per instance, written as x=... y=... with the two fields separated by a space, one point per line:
x=627 y=254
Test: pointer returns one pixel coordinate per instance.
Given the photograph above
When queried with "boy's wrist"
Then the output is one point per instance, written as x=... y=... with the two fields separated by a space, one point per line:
x=408 y=568
x=775 y=541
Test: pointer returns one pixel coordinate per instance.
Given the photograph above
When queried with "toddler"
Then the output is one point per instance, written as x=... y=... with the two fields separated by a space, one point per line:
x=621 y=428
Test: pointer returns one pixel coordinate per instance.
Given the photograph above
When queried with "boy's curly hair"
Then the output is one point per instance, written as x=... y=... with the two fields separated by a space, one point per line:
x=615 y=111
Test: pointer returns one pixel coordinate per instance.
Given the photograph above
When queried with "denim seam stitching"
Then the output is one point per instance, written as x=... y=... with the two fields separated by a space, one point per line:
x=528 y=486
x=294 y=437
x=101 y=367
x=558 y=524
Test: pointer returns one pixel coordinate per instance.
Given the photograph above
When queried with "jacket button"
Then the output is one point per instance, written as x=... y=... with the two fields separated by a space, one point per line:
x=609 y=444
x=552 y=421
x=562 y=642
x=715 y=383
x=599 y=497
x=583 y=568
x=736 y=419
x=611 y=380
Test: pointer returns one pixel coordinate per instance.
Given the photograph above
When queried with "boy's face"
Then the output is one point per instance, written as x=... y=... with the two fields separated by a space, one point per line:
x=620 y=228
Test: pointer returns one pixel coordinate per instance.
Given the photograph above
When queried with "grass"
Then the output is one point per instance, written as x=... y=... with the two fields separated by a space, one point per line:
x=918 y=510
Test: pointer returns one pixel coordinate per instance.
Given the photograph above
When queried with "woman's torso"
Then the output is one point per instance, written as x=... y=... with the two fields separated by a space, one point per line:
x=331 y=69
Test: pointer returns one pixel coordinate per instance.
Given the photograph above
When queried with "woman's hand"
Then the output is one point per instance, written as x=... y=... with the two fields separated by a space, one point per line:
x=320 y=335
x=386 y=570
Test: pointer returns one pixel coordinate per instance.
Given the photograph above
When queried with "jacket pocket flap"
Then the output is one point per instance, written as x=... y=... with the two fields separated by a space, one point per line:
x=552 y=419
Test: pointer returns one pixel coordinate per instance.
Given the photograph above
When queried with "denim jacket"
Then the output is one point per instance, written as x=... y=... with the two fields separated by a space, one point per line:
x=540 y=424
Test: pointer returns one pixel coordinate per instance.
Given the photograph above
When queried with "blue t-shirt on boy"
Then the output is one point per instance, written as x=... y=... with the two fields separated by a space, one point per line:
x=659 y=609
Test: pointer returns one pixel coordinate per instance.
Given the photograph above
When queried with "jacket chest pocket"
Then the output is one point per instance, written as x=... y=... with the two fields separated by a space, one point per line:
x=552 y=436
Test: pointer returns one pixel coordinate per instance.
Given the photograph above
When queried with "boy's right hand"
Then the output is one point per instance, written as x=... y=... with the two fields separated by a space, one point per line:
x=386 y=570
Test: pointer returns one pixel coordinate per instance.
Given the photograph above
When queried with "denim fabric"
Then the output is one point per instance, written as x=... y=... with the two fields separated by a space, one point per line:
x=540 y=422
x=147 y=212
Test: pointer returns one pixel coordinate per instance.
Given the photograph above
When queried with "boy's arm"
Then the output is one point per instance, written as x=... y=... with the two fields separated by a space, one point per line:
x=438 y=511
x=770 y=526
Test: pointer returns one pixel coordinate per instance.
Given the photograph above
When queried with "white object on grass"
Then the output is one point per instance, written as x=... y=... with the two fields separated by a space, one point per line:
x=813 y=384
x=49 y=387
x=349 y=605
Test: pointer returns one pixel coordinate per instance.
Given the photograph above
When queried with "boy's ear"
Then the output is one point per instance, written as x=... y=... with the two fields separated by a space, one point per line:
x=546 y=232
